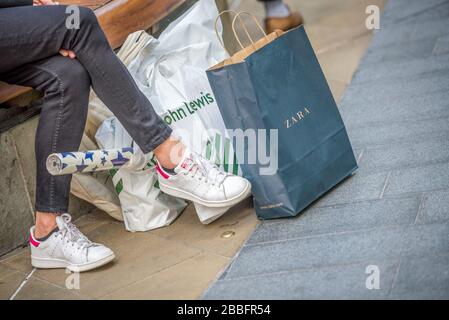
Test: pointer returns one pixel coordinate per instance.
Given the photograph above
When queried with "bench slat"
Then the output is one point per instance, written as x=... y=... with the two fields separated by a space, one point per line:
x=8 y=92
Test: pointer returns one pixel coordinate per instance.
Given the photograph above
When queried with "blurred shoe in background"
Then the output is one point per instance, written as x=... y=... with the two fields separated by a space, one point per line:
x=279 y=16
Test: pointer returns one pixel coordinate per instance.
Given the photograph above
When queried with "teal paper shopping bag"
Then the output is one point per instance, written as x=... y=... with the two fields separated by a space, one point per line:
x=276 y=86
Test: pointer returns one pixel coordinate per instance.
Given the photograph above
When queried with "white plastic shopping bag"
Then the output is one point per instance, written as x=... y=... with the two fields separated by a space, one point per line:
x=97 y=187
x=171 y=73
x=144 y=206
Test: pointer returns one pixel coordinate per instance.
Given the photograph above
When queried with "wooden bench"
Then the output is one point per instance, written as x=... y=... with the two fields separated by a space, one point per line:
x=118 y=18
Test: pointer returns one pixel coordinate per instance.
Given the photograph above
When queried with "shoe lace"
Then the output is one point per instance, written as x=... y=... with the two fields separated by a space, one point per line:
x=72 y=234
x=201 y=168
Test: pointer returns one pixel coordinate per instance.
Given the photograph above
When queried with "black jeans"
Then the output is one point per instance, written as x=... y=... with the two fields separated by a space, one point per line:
x=30 y=38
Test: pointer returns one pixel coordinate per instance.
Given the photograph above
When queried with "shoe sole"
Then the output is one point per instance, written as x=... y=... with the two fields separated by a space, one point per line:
x=42 y=263
x=175 y=192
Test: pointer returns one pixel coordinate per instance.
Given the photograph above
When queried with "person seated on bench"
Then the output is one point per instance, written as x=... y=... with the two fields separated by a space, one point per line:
x=39 y=51
x=279 y=16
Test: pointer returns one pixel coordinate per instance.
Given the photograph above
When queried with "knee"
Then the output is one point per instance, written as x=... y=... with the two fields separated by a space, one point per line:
x=68 y=77
x=89 y=23
x=87 y=16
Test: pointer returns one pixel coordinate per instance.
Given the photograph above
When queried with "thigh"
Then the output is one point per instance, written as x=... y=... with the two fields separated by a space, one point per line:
x=53 y=75
x=30 y=33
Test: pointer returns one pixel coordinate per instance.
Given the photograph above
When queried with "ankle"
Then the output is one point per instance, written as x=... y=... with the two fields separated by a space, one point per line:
x=169 y=154
x=45 y=223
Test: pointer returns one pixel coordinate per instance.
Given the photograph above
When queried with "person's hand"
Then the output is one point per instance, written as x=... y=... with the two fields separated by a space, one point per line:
x=67 y=53
x=44 y=3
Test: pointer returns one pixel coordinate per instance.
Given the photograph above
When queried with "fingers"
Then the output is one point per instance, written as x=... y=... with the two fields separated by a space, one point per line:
x=63 y=52
x=48 y=2
x=67 y=53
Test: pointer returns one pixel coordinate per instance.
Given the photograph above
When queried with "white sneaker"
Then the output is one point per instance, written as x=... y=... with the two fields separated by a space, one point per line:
x=200 y=181
x=68 y=248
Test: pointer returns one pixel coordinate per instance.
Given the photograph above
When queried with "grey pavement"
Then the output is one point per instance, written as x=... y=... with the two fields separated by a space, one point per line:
x=394 y=212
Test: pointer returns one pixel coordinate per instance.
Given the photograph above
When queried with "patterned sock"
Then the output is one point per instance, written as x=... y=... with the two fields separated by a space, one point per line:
x=276 y=9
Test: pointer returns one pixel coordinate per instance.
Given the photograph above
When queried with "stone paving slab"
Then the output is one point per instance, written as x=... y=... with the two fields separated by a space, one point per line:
x=402 y=70
x=419 y=179
x=399 y=132
x=434 y=207
x=336 y=282
x=393 y=89
x=340 y=248
x=319 y=221
x=425 y=277
x=398 y=111
x=358 y=187
x=393 y=213
x=399 y=156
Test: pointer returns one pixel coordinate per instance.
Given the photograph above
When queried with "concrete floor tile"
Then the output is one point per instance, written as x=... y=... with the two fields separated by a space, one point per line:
x=20 y=261
x=112 y=234
x=187 y=229
x=136 y=258
x=11 y=254
x=186 y=280
x=9 y=282
x=36 y=289
x=93 y=220
x=5 y=271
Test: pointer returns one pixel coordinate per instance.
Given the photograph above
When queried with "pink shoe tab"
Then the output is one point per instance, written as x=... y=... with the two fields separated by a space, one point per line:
x=34 y=242
x=162 y=172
